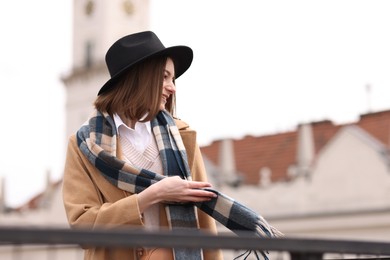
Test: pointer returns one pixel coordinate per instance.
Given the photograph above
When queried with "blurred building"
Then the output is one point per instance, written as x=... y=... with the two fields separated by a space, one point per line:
x=319 y=181
x=96 y=25
x=322 y=180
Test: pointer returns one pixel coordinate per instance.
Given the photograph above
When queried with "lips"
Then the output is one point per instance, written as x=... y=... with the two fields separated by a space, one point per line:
x=165 y=98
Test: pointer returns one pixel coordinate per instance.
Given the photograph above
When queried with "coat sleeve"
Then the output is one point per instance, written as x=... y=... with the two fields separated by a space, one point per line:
x=85 y=202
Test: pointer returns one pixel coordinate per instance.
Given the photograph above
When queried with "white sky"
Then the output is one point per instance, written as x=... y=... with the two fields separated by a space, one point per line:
x=260 y=67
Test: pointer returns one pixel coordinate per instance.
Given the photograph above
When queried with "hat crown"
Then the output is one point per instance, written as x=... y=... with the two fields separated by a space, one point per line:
x=131 y=49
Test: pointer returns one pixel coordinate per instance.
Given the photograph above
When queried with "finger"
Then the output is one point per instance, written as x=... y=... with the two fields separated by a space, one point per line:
x=198 y=184
x=202 y=193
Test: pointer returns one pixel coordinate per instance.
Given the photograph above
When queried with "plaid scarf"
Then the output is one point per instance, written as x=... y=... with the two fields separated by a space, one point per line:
x=97 y=140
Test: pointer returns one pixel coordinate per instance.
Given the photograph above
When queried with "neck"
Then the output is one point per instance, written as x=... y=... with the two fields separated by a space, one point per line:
x=129 y=122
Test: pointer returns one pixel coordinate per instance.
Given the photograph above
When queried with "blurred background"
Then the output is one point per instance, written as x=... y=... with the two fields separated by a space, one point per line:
x=269 y=78
x=260 y=67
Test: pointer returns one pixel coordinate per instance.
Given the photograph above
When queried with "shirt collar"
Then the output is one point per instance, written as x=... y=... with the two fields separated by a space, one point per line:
x=118 y=122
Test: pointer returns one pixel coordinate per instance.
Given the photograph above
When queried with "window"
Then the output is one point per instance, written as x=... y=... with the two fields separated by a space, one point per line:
x=88 y=55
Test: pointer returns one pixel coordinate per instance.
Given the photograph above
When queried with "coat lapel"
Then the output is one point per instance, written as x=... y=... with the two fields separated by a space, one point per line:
x=189 y=140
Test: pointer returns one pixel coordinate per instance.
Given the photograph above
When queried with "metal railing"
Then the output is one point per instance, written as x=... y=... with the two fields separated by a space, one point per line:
x=297 y=248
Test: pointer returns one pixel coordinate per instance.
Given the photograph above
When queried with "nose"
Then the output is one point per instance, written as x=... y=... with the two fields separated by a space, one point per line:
x=170 y=87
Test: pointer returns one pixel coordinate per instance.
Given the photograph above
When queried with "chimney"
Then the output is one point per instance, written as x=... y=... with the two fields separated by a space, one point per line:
x=227 y=164
x=46 y=196
x=265 y=177
x=305 y=152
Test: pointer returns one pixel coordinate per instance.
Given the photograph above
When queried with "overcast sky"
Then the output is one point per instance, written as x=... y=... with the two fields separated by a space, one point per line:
x=260 y=67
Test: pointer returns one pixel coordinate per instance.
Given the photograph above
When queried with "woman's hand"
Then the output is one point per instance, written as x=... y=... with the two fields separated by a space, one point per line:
x=174 y=189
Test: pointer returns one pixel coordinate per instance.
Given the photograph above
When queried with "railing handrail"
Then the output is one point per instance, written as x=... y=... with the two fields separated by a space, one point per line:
x=184 y=238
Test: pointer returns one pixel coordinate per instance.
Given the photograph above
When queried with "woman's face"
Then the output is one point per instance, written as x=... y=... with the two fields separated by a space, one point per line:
x=169 y=87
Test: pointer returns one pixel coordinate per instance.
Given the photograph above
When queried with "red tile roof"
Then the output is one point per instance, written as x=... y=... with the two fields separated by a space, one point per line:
x=378 y=125
x=279 y=151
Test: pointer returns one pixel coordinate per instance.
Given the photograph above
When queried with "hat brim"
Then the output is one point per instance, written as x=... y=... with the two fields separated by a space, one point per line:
x=182 y=57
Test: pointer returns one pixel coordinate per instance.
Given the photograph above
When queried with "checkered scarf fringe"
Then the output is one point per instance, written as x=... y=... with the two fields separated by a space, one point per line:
x=97 y=140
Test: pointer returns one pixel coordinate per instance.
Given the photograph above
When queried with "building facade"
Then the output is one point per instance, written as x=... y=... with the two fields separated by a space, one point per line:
x=96 y=25
x=322 y=180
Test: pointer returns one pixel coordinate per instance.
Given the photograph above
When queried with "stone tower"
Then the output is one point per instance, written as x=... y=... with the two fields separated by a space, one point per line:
x=96 y=25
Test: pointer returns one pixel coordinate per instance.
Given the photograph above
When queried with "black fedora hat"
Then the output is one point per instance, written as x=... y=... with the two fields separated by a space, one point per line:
x=135 y=48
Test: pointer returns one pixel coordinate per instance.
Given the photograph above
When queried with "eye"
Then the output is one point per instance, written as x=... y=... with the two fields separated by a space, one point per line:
x=167 y=77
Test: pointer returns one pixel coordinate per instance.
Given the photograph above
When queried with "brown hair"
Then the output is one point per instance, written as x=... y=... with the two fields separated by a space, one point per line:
x=138 y=92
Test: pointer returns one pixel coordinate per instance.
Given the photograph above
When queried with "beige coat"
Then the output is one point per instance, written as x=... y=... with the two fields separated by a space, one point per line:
x=90 y=200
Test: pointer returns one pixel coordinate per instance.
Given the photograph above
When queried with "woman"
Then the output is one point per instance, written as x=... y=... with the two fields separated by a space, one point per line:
x=133 y=131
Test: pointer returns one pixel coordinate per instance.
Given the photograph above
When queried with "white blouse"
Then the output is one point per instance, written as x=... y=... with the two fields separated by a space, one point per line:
x=140 y=149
